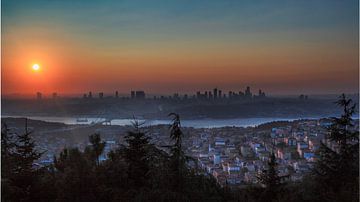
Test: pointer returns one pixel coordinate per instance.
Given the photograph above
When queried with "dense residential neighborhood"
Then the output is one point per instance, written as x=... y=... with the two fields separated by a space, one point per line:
x=233 y=156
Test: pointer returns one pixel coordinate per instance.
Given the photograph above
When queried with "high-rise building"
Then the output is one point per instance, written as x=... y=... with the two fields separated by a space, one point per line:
x=248 y=92
x=210 y=95
x=230 y=94
x=132 y=94
x=90 y=95
x=198 y=95
x=54 y=95
x=220 y=92
x=101 y=95
x=215 y=93
x=38 y=96
x=116 y=94
x=140 y=94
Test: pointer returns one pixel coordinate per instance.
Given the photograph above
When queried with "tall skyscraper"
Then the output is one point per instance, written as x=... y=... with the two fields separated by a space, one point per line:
x=198 y=95
x=248 y=92
x=140 y=94
x=215 y=93
x=116 y=94
x=220 y=94
x=54 y=95
x=132 y=94
x=38 y=96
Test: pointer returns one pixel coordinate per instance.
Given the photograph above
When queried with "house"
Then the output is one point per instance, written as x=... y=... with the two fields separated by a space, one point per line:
x=291 y=141
x=232 y=168
x=308 y=154
x=314 y=144
x=264 y=156
x=300 y=146
x=250 y=167
x=254 y=145
x=217 y=158
x=259 y=149
x=301 y=167
x=219 y=141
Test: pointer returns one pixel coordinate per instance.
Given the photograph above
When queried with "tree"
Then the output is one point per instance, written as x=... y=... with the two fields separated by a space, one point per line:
x=177 y=156
x=25 y=176
x=337 y=170
x=7 y=151
x=271 y=180
x=188 y=183
x=97 y=146
x=75 y=176
x=136 y=155
x=7 y=161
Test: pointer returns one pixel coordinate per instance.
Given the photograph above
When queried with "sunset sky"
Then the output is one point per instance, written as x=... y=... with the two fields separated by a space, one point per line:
x=282 y=47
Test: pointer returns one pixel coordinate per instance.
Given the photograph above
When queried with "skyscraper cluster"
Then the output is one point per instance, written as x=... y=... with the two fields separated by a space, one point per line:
x=217 y=94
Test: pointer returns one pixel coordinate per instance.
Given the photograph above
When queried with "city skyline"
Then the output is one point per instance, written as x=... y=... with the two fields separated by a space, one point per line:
x=285 y=47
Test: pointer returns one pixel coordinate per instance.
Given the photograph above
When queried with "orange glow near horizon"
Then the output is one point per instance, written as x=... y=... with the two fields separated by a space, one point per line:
x=183 y=56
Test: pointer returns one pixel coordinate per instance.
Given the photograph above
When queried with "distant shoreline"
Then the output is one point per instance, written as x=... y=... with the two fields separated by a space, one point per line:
x=194 y=123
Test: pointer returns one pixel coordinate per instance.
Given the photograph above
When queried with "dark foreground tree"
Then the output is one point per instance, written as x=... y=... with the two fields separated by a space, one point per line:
x=177 y=157
x=74 y=176
x=96 y=148
x=188 y=183
x=24 y=177
x=136 y=155
x=7 y=161
x=271 y=180
x=336 y=174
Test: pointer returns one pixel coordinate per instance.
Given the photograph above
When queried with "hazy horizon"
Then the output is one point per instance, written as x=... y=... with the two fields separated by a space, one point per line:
x=151 y=94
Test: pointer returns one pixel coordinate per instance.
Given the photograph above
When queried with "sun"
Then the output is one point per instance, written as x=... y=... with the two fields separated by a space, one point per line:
x=36 y=67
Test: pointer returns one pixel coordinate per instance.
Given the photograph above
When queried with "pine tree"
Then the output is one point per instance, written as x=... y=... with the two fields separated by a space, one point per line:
x=177 y=156
x=271 y=180
x=337 y=169
x=75 y=177
x=25 y=176
x=136 y=155
x=7 y=162
x=7 y=152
